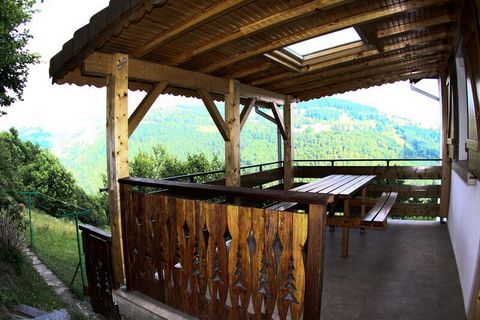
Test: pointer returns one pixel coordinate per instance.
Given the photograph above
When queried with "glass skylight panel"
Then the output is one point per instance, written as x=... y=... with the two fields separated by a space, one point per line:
x=326 y=41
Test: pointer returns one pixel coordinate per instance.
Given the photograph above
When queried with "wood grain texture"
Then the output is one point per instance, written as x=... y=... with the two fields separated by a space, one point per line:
x=219 y=261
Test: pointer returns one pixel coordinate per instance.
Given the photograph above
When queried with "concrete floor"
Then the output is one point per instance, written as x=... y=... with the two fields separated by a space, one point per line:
x=407 y=272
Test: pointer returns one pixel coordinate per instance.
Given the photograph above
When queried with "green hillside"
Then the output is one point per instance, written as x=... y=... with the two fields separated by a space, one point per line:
x=326 y=128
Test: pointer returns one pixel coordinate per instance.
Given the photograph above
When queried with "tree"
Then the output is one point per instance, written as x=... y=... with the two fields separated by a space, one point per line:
x=14 y=56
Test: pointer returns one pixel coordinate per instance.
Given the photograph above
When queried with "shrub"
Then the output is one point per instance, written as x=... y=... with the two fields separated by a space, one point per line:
x=12 y=238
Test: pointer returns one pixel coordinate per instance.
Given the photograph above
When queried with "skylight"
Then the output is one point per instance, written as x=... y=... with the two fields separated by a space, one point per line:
x=324 y=42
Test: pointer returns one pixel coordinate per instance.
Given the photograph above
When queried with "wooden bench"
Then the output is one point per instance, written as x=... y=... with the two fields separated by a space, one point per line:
x=376 y=218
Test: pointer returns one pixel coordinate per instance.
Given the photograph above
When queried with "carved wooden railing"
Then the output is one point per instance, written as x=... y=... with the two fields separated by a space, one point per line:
x=97 y=246
x=217 y=261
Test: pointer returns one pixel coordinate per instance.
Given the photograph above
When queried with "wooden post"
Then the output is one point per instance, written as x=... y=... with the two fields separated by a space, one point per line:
x=288 y=144
x=346 y=228
x=117 y=153
x=446 y=161
x=315 y=261
x=232 y=147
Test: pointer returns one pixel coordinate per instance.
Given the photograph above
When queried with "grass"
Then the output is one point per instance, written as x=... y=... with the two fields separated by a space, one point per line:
x=56 y=247
x=26 y=286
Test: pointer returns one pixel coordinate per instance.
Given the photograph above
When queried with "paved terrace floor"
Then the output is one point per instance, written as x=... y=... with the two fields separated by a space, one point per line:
x=407 y=272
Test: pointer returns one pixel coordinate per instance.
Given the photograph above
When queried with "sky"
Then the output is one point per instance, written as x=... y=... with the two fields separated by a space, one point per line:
x=66 y=108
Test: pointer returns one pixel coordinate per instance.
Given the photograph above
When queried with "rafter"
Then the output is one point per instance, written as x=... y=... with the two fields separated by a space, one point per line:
x=279 y=59
x=380 y=61
x=327 y=63
x=338 y=24
x=366 y=83
x=142 y=109
x=258 y=26
x=185 y=26
x=214 y=113
x=248 y=71
x=403 y=65
x=246 y=112
x=369 y=37
x=414 y=26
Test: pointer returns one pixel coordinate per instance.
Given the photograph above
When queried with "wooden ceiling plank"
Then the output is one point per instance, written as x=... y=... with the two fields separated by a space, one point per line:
x=248 y=71
x=369 y=37
x=357 y=56
x=279 y=120
x=282 y=62
x=246 y=112
x=258 y=26
x=351 y=68
x=214 y=113
x=142 y=109
x=208 y=15
x=362 y=73
x=365 y=83
x=346 y=22
x=397 y=30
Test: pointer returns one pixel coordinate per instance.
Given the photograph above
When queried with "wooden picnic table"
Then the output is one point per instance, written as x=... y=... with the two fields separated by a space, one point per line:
x=343 y=187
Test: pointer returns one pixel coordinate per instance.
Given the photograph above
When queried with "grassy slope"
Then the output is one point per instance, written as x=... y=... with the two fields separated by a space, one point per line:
x=56 y=246
x=26 y=287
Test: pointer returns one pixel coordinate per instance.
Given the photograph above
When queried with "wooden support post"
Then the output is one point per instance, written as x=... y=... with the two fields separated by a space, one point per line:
x=315 y=261
x=288 y=143
x=346 y=229
x=232 y=146
x=117 y=153
x=446 y=161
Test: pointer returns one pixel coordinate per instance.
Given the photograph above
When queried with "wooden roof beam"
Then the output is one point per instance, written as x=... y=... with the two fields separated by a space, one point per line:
x=369 y=37
x=399 y=65
x=279 y=59
x=366 y=83
x=248 y=91
x=397 y=30
x=248 y=71
x=327 y=63
x=306 y=78
x=185 y=26
x=142 y=109
x=258 y=26
x=365 y=17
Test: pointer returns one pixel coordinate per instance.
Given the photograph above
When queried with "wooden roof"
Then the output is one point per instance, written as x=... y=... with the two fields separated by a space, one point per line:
x=246 y=40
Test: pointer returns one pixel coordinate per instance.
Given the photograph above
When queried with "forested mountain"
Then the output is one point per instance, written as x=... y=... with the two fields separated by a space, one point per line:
x=327 y=128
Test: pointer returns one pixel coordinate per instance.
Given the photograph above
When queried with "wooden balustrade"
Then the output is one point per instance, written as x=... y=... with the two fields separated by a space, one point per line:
x=224 y=261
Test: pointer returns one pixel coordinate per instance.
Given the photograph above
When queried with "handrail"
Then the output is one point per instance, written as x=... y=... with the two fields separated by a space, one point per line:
x=97 y=232
x=191 y=177
x=240 y=192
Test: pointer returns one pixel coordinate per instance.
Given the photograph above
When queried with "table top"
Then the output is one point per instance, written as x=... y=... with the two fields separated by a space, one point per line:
x=341 y=185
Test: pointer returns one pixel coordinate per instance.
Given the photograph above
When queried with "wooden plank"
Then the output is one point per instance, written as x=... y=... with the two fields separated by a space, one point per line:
x=184 y=27
x=117 y=152
x=248 y=71
x=142 y=109
x=394 y=172
x=241 y=192
x=377 y=207
x=96 y=64
x=354 y=186
x=214 y=113
x=258 y=26
x=406 y=190
x=346 y=228
x=367 y=35
x=246 y=112
x=383 y=213
x=288 y=142
x=315 y=262
x=397 y=30
x=446 y=161
x=364 y=17
x=259 y=284
x=232 y=146
x=278 y=119
x=249 y=91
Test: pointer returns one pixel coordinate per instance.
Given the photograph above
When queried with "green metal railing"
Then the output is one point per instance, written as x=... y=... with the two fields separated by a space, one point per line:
x=75 y=214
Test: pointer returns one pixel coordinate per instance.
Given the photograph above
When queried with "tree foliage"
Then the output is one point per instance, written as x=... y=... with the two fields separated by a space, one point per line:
x=15 y=58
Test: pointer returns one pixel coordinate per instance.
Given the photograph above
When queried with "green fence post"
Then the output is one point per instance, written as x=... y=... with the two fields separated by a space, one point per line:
x=32 y=237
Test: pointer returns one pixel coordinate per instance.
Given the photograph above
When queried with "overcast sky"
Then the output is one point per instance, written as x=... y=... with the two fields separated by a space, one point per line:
x=68 y=107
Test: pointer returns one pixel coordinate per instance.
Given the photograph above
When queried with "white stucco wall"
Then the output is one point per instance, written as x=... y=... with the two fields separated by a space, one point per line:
x=464 y=228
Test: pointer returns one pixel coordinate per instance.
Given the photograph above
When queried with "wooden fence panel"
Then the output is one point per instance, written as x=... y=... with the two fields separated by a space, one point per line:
x=215 y=261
